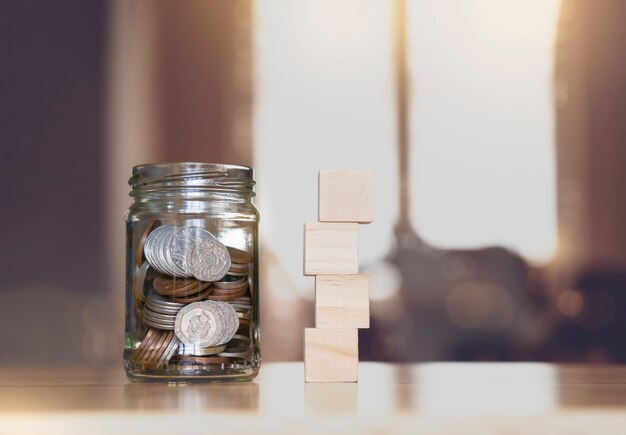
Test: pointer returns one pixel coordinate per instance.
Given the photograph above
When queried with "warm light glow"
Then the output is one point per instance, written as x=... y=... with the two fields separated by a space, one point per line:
x=483 y=123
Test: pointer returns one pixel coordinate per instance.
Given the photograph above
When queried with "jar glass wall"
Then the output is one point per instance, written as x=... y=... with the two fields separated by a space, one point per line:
x=192 y=293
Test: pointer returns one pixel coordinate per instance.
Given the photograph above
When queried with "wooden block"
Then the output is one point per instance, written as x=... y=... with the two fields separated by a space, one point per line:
x=331 y=248
x=332 y=398
x=342 y=301
x=346 y=196
x=331 y=355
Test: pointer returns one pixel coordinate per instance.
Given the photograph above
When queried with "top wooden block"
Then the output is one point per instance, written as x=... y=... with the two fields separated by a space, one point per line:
x=346 y=196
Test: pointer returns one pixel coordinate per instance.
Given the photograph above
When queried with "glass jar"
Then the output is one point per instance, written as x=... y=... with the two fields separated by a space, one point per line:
x=192 y=296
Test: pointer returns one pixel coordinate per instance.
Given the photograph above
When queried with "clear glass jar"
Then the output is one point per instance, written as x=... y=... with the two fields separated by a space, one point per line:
x=192 y=295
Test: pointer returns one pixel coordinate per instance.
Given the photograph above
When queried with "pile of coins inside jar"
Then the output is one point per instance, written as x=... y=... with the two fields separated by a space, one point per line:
x=193 y=295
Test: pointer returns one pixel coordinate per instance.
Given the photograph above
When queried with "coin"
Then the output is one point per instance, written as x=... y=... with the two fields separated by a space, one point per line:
x=142 y=240
x=141 y=348
x=169 y=352
x=199 y=324
x=182 y=241
x=238 y=256
x=169 y=249
x=161 y=303
x=231 y=284
x=227 y=296
x=155 y=349
x=232 y=322
x=208 y=260
x=153 y=248
x=178 y=287
x=151 y=337
x=200 y=351
x=236 y=354
x=139 y=281
x=194 y=298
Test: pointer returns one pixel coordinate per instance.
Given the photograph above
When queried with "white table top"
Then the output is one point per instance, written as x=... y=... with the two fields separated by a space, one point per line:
x=432 y=398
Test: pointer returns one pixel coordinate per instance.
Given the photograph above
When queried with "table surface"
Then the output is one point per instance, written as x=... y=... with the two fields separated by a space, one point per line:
x=389 y=398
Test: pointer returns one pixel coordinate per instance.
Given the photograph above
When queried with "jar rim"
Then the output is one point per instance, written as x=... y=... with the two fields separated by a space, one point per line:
x=194 y=175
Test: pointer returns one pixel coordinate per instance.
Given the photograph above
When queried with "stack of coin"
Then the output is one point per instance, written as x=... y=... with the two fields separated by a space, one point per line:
x=181 y=290
x=156 y=349
x=159 y=312
x=187 y=252
x=230 y=288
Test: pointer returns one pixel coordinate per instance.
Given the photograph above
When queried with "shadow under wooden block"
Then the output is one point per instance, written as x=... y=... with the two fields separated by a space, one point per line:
x=331 y=355
x=346 y=196
x=342 y=301
x=331 y=398
x=331 y=248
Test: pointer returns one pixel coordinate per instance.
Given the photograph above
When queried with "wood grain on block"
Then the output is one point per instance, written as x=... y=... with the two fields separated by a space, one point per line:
x=331 y=248
x=346 y=196
x=331 y=355
x=342 y=301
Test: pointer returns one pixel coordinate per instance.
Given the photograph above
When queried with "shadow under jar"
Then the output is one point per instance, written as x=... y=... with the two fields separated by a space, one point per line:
x=192 y=296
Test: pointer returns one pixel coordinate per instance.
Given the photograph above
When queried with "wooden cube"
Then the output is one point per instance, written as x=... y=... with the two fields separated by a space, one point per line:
x=346 y=196
x=342 y=301
x=332 y=398
x=331 y=248
x=331 y=355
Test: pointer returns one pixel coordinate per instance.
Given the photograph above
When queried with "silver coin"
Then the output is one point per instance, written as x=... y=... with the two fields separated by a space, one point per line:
x=242 y=299
x=162 y=318
x=161 y=310
x=165 y=252
x=209 y=260
x=241 y=308
x=200 y=324
x=149 y=248
x=158 y=325
x=170 y=350
x=182 y=241
x=156 y=299
x=154 y=248
x=232 y=322
x=184 y=349
x=241 y=354
x=229 y=285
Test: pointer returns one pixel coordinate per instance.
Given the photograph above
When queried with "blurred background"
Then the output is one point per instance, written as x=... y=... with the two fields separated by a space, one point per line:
x=495 y=131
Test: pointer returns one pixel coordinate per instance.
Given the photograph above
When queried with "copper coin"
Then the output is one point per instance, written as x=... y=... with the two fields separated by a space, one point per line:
x=142 y=240
x=178 y=287
x=238 y=256
x=193 y=298
x=169 y=352
x=155 y=349
x=223 y=292
x=156 y=358
x=150 y=338
x=141 y=345
x=227 y=297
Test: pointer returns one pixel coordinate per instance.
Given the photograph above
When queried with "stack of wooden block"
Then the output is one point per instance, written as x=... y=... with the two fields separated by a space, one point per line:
x=331 y=248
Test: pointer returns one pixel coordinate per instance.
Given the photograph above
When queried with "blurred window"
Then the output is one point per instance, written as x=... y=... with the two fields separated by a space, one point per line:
x=482 y=123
